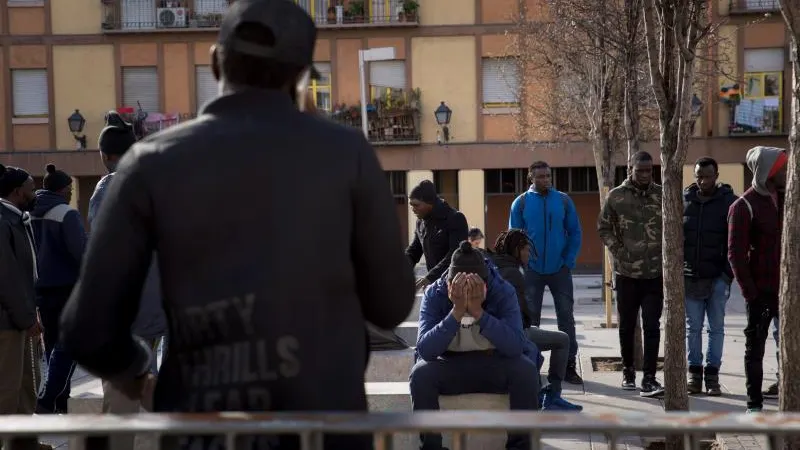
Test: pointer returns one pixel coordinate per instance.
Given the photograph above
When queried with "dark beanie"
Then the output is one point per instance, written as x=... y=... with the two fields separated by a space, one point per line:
x=425 y=191
x=55 y=180
x=116 y=140
x=468 y=260
x=11 y=178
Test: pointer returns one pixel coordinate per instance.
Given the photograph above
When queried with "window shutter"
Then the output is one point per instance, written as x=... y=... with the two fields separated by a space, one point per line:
x=30 y=92
x=764 y=60
x=210 y=6
x=205 y=85
x=140 y=86
x=500 y=81
x=388 y=74
x=324 y=70
x=137 y=14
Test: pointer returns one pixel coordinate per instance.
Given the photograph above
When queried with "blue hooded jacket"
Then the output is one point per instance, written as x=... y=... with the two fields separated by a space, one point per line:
x=501 y=322
x=552 y=223
x=60 y=240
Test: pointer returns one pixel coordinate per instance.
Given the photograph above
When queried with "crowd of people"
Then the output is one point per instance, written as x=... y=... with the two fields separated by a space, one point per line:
x=248 y=314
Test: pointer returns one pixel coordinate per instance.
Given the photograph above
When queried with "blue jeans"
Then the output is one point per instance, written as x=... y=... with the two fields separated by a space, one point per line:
x=696 y=311
x=560 y=284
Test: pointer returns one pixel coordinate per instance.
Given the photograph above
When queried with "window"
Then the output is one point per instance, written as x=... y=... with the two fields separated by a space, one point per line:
x=317 y=9
x=320 y=90
x=30 y=92
x=500 y=82
x=140 y=88
x=446 y=182
x=138 y=14
x=505 y=181
x=560 y=178
x=583 y=179
x=760 y=110
x=205 y=85
x=387 y=79
x=210 y=6
x=760 y=5
x=397 y=183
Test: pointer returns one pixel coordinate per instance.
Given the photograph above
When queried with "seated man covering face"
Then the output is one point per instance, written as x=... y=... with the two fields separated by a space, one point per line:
x=471 y=341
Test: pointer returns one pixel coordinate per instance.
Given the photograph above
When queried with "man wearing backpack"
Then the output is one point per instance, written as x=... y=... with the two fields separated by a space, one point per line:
x=551 y=222
x=755 y=223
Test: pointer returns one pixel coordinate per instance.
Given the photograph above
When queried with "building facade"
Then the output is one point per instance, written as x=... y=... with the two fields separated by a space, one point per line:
x=152 y=56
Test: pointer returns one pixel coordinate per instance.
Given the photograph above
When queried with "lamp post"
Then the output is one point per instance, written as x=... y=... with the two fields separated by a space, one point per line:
x=365 y=56
x=76 y=123
x=443 y=115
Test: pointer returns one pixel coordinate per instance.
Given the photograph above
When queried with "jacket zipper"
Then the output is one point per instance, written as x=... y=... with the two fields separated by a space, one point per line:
x=699 y=237
x=645 y=198
x=544 y=219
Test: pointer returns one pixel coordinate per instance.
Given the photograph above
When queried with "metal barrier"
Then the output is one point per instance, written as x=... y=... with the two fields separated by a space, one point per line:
x=310 y=427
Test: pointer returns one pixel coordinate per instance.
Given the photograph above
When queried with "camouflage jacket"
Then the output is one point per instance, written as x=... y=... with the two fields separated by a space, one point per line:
x=630 y=226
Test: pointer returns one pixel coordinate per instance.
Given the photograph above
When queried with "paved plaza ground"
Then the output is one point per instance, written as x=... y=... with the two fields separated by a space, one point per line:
x=601 y=393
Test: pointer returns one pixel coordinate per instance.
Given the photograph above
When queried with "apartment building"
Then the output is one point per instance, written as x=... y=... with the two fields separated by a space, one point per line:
x=150 y=60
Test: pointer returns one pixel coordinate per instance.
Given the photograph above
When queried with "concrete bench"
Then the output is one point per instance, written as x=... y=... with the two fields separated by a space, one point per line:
x=381 y=397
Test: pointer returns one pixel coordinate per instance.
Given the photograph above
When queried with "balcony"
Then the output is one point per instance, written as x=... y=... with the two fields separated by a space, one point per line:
x=392 y=119
x=145 y=124
x=185 y=15
x=754 y=6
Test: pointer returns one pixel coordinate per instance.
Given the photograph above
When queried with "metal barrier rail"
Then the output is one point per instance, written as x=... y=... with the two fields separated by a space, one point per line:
x=311 y=426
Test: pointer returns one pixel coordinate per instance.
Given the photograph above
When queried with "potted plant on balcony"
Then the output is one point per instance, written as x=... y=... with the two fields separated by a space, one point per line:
x=356 y=11
x=410 y=8
x=331 y=15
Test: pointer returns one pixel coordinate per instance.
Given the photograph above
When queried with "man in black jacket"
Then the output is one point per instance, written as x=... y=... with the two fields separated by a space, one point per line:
x=255 y=324
x=20 y=328
x=440 y=228
x=707 y=272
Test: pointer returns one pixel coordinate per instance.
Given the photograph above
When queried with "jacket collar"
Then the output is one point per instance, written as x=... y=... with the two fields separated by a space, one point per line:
x=247 y=101
x=628 y=183
x=11 y=207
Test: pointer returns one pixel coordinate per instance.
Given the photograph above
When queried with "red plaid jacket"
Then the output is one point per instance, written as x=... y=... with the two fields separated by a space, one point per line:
x=754 y=244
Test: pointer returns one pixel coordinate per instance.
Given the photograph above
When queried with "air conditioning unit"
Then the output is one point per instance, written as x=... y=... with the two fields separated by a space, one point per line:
x=171 y=17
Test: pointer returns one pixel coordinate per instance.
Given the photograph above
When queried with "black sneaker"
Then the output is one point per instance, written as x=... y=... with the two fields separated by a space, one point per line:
x=629 y=379
x=771 y=392
x=572 y=376
x=651 y=387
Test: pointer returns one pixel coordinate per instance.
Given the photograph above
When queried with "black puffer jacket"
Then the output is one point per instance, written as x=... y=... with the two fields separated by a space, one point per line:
x=436 y=237
x=705 y=232
x=511 y=270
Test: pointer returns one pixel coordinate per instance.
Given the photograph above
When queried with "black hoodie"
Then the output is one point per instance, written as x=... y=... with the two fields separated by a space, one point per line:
x=705 y=232
x=511 y=270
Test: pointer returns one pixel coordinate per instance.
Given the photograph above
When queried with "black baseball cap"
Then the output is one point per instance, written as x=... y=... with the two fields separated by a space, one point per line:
x=294 y=30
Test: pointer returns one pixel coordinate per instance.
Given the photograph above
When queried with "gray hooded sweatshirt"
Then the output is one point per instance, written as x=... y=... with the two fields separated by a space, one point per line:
x=760 y=161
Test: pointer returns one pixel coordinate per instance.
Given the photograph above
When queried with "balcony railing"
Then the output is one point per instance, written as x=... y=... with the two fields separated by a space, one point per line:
x=753 y=6
x=392 y=117
x=399 y=127
x=145 y=124
x=176 y=15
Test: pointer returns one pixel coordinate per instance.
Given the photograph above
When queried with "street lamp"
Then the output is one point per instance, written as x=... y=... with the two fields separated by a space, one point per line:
x=443 y=114
x=365 y=56
x=76 y=123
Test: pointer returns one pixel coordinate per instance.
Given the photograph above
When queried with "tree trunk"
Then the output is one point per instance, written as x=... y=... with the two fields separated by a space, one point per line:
x=789 y=311
x=676 y=396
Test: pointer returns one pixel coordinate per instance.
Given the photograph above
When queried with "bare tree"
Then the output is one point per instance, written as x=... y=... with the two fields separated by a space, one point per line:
x=598 y=73
x=674 y=31
x=789 y=312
